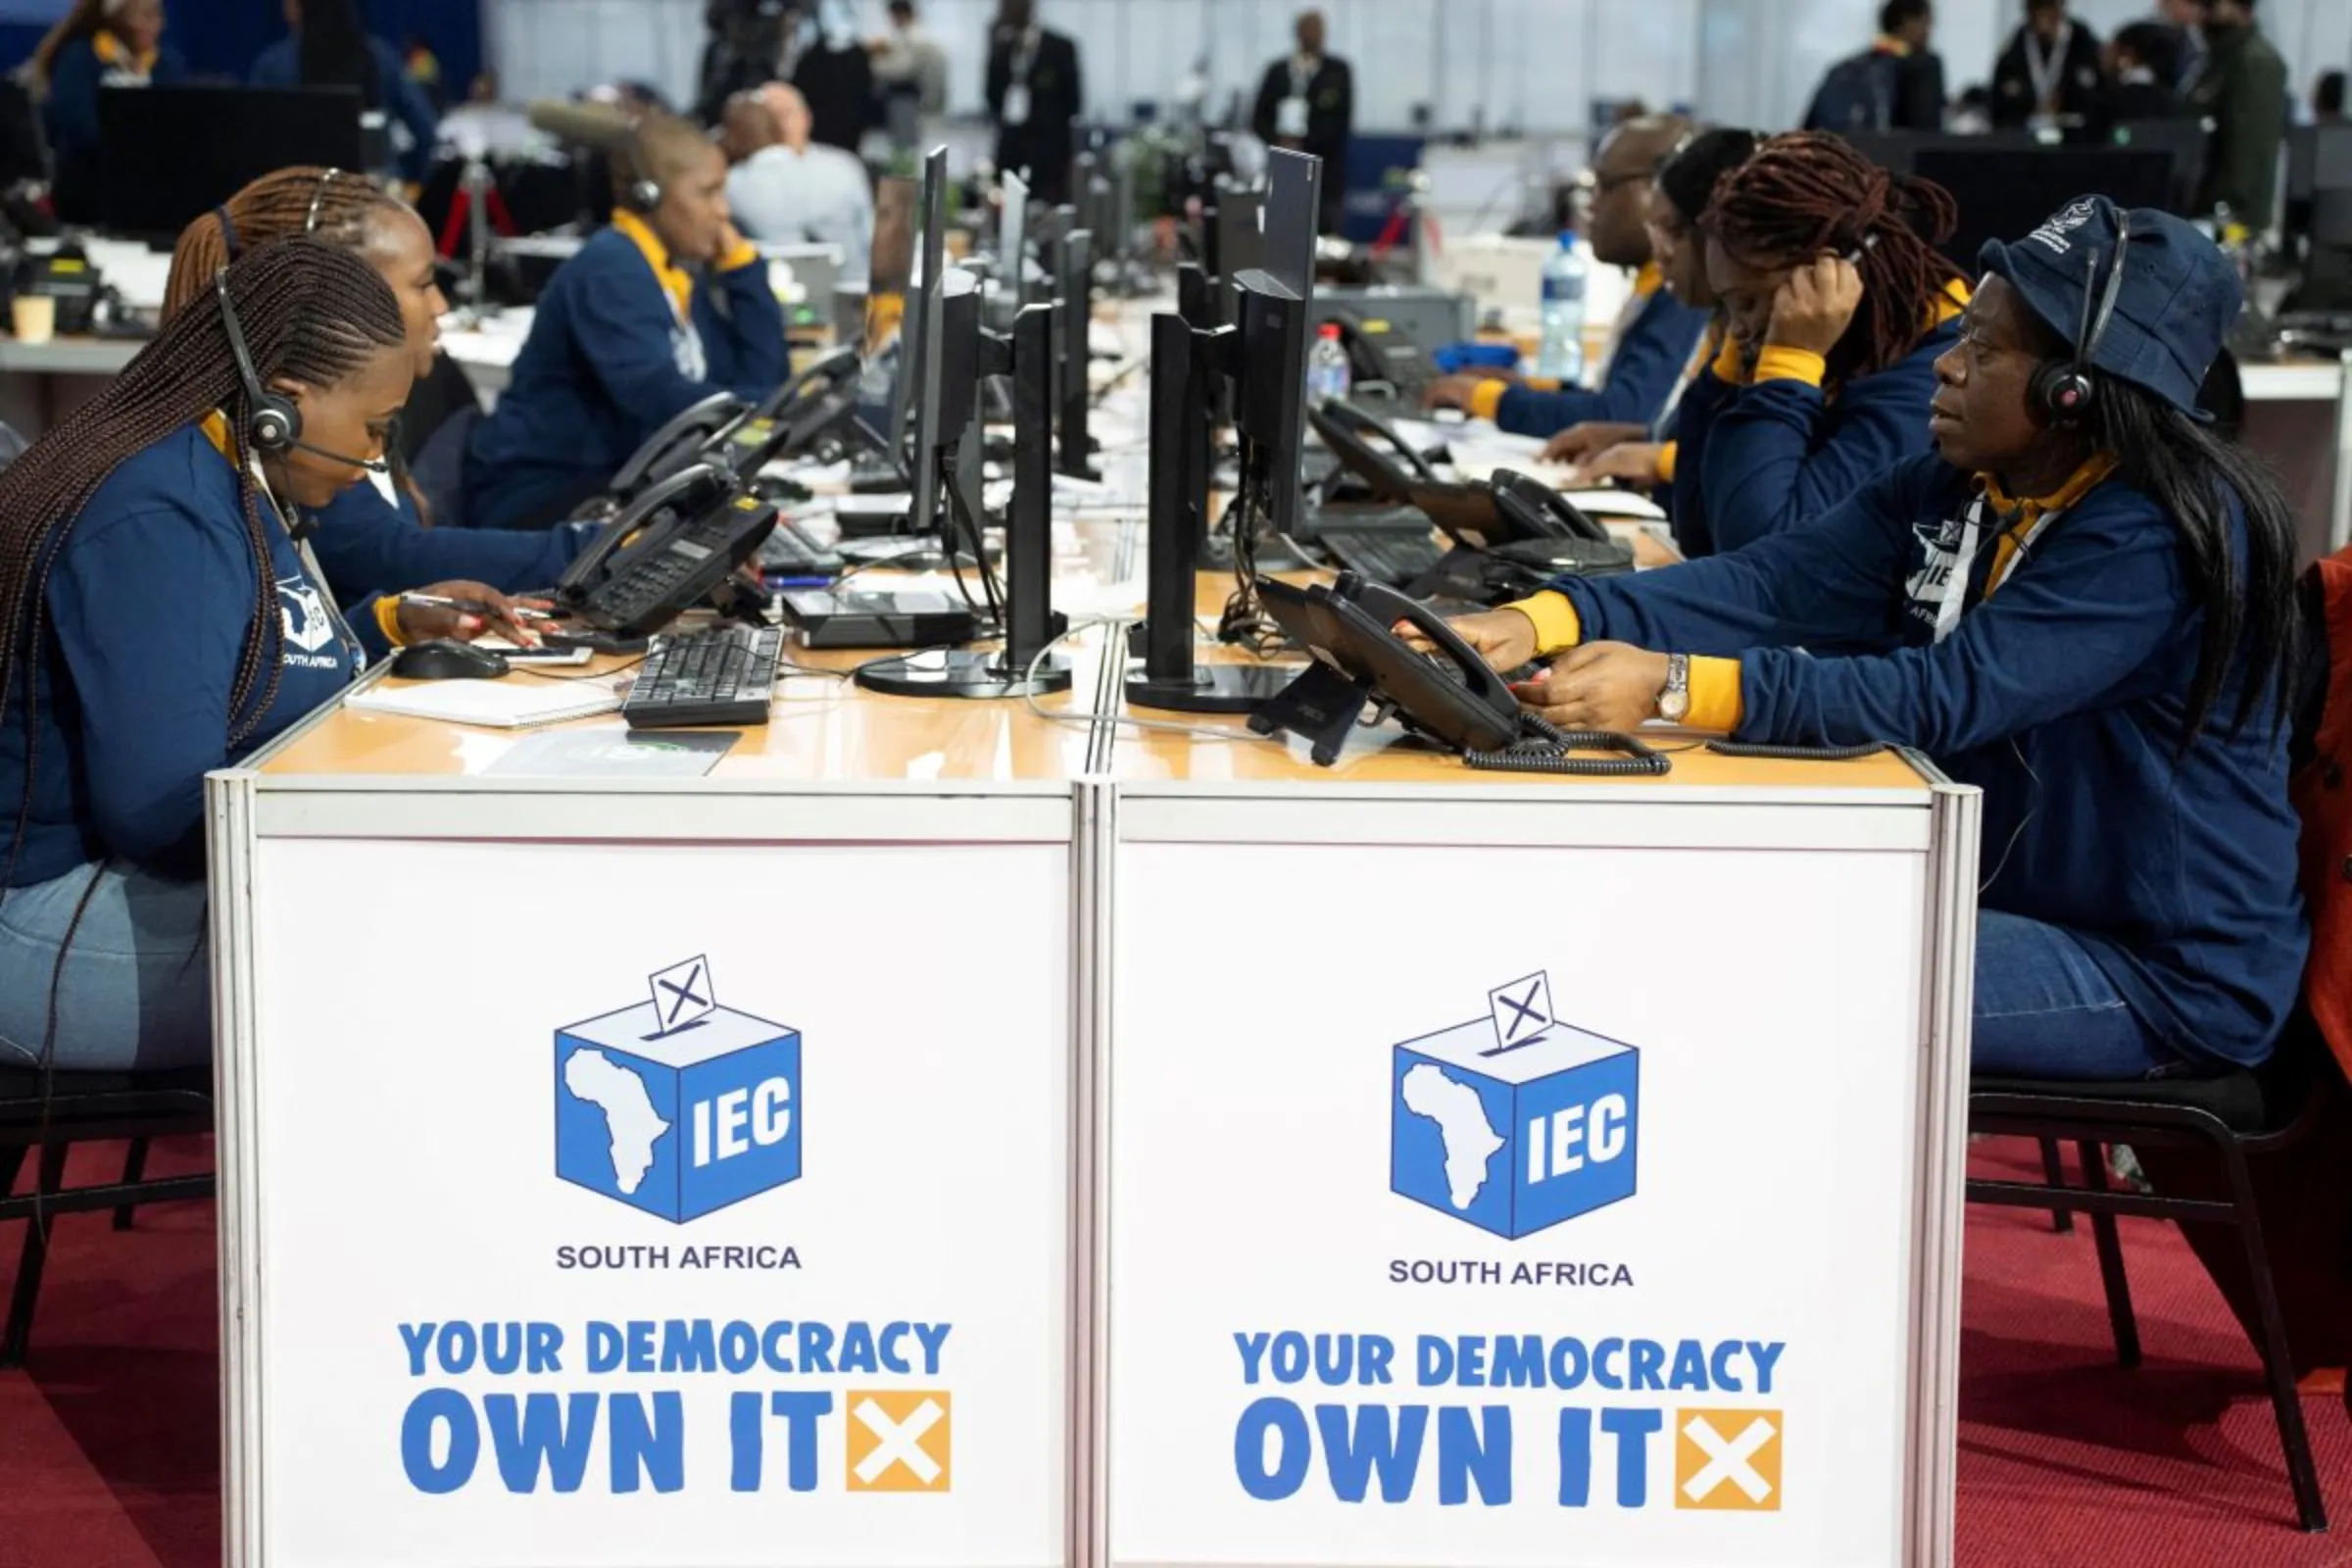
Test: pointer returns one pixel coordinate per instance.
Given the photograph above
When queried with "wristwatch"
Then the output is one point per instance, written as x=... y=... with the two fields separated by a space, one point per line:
x=1674 y=700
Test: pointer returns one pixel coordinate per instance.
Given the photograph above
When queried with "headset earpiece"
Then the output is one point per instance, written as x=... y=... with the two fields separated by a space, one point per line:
x=2064 y=393
x=272 y=423
x=643 y=196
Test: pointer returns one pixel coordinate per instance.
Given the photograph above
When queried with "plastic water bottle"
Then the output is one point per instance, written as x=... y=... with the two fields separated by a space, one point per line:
x=1327 y=371
x=1561 y=355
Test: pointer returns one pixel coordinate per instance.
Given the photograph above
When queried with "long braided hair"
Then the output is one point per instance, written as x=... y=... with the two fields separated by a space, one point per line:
x=1807 y=192
x=333 y=205
x=310 y=312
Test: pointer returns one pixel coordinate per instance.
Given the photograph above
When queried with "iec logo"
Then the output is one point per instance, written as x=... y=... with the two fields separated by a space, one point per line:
x=1514 y=1122
x=678 y=1105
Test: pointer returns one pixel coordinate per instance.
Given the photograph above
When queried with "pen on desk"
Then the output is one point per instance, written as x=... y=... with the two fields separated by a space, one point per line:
x=800 y=582
x=471 y=606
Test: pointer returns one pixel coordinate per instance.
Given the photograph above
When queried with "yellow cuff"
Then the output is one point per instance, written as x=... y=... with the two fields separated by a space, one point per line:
x=1667 y=452
x=1727 y=366
x=1557 y=623
x=1777 y=363
x=1542 y=383
x=741 y=257
x=1486 y=398
x=387 y=619
x=1715 y=703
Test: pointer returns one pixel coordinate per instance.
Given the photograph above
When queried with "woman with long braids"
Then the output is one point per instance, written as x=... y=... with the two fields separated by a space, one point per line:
x=158 y=620
x=2084 y=604
x=372 y=538
x=1837 y=305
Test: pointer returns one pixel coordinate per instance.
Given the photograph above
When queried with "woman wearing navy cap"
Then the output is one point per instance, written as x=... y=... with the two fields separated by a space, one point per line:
x=2083 y=602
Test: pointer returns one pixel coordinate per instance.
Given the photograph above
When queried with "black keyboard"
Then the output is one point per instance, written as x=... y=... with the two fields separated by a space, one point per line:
x=724 y=675
x=1389 y=556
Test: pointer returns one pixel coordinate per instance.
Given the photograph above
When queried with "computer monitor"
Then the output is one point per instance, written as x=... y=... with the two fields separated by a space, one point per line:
x=24 y=148
x=2006 y=193
x=1012 y=243
x=2317 y=216
x=1241 y=242
x=1073 y=392
x=922 y=387
x=1269 y=398
x=1294 y=189
x=171 y=154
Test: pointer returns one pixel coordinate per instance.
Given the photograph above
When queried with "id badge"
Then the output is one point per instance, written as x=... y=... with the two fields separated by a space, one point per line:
x=1016 y=104
x=1290 y=119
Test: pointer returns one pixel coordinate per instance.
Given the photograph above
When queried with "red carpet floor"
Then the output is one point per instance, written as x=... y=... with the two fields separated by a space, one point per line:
x=109 y=1447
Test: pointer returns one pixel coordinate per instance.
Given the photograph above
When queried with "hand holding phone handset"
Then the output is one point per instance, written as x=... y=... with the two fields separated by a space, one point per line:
x=1449 y=694
x=643 y=527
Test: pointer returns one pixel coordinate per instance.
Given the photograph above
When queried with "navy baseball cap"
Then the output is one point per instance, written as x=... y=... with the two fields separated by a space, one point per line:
x=2179 y=298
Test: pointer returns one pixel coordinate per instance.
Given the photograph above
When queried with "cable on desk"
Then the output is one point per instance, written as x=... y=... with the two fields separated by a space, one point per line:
x=1796 y=754
x=1158 y=726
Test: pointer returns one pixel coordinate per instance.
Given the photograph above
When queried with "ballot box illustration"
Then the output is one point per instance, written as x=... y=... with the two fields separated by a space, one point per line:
x=1514 y=1122
x=678 y=1105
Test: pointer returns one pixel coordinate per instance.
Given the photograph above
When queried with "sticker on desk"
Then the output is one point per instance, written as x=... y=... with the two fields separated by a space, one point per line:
x=614 y=753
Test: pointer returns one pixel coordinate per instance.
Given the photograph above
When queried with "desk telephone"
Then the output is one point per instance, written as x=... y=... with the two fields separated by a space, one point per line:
x=1451 y=696
x=668 y=549
x=724 y=429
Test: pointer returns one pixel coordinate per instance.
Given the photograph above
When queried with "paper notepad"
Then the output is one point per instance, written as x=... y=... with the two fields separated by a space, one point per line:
x=516 y=702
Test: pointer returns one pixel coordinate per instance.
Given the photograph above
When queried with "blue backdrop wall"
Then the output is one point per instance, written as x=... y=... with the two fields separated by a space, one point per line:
x=221 y=37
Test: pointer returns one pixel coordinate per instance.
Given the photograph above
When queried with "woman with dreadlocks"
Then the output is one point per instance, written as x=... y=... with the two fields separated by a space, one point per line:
x=2083 y=602
x=158 y=620
x=372 y=538
x=1837 y=305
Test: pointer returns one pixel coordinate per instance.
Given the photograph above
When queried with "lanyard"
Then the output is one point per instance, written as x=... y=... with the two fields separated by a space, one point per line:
x=2047 y=69
x=1955 y=586
x=312 y=577
x=1025 y=58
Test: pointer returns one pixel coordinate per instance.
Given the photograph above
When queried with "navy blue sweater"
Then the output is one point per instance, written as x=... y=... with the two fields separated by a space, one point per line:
x=369 y=545
x=1755 y=460
x=281 y=65
x=2062 y=695
x=601 y=371
x=70 y=111
x=1649 y=365
x=148 y=605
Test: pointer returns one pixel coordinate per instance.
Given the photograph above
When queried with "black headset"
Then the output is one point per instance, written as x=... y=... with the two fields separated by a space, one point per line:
x=2063 y=392
x=272 y=423
x=642 y=193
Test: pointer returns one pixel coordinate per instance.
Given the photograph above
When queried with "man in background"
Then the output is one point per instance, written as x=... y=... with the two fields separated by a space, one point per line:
x=2243 y=94
x=912 y=71
x=2183 y=17
x=1895 y=84
x=2049 y=75
x=1034 y=98
x=2143 y=62
x=786 y=188
x=1308 y=104
x=1655 y=340
x=2328 y=99
x=836 y=77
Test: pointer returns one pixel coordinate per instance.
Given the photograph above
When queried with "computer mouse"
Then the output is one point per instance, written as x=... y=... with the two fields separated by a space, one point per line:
x=443 y=659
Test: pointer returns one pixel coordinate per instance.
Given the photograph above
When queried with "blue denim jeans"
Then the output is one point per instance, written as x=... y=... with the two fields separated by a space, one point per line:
x=2044 y=1010
x=136 y=990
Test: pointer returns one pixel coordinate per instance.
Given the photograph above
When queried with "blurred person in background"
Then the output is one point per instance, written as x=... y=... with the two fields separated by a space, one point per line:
x=836 y=78
x=1035 y=96
x=912 y=71
x=330 y=47
x=2243 y=94
x=784 y=188
x=98 y=43
x=1307 y=101
x=2049 y=74
x=1895 y=84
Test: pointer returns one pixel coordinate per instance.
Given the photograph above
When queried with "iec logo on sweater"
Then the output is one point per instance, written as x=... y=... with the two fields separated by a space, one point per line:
x=309 y=626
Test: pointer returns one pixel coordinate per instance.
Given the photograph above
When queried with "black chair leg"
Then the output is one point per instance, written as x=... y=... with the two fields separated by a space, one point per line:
x=11 y=1160
x=2111 y=1261
x=2278 y=1364
x=134 y=1166
x=2062 y=1220
x=29 y=1262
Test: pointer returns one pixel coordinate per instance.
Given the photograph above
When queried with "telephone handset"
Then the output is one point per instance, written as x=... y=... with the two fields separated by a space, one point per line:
x=1369 y=367
x=1364 y=423
x=643 y=527
x=837 y=368
x=1451 y=696
x=1530 y=509
x=668 y=450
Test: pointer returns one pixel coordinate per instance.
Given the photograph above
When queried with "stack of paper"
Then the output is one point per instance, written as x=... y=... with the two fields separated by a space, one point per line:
x=515 y=702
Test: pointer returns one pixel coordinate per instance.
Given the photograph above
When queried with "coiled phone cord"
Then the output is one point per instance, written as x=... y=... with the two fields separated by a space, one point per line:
x=1798 y=753
x=1546 y=748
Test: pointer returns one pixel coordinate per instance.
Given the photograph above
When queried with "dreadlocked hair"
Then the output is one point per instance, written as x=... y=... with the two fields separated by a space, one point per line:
x=1805 y=193
x=310 y=312
x=333 y=205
